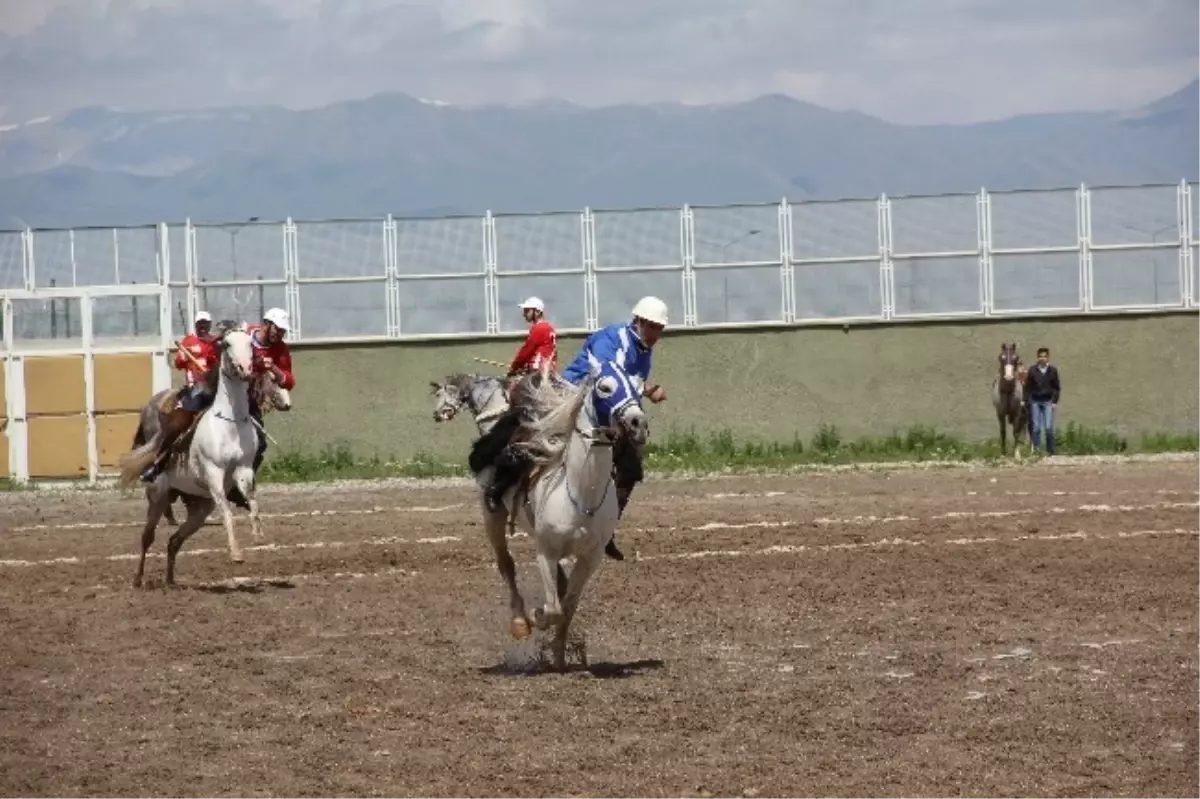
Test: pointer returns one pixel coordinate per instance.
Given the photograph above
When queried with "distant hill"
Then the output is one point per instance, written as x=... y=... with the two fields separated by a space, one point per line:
x=398 y=154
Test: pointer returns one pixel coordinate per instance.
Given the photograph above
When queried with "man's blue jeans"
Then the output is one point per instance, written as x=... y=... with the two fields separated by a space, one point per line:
x=1042 y=413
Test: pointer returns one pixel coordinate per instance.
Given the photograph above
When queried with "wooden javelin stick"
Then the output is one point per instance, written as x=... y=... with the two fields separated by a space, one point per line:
x=490 y=362
x=193 y=359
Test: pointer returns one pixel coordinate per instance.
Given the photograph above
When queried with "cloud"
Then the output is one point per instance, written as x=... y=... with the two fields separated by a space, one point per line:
x=911 y=61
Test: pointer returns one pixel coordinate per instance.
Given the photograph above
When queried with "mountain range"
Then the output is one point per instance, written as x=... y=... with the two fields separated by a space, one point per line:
x=393 y=153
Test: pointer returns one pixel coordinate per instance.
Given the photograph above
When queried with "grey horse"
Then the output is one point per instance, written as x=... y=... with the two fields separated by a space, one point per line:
x=1008 y=397
x=486 y=397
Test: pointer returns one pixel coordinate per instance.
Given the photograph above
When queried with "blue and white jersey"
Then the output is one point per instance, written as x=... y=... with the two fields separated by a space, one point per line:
x=618 y=343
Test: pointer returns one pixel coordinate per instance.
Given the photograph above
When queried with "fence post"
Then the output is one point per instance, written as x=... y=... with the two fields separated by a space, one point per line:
x=1184 y=211
x=391 y=271
x=984 y=230
x=787 y=271
x=116 y=257
x=27 y=263
x=164 y=280
x=687 y=255
x=591 y=292
x=192 y=272
x=1083 y=215
x=291 y=272
x=89 y=380
x=491 y=285
x=886 y=284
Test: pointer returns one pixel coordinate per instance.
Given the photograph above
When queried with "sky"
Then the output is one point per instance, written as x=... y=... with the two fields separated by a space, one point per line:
x=907 y=61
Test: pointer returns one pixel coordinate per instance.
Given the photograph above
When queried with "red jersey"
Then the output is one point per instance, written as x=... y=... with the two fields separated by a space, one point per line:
x=278 y=352
x=540 y=349
x=205 y=354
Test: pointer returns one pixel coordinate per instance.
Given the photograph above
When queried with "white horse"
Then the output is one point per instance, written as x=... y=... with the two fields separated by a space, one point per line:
x=570 y=509
x=220 y=454
x=264 y=388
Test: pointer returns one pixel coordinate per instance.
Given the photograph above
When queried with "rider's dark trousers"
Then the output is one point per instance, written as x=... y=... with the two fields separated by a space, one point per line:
x=261 y=452
x=627 y=471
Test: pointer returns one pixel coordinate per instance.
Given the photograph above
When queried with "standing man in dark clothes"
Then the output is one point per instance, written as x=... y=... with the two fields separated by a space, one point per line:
x=1044 y=390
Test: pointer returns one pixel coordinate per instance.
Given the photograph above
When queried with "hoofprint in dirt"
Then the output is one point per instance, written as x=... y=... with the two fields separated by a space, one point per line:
x=986 y=632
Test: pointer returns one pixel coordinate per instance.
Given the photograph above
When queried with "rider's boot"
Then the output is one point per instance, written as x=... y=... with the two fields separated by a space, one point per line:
x=610 y=548
x=509 y=468
x=178 y=421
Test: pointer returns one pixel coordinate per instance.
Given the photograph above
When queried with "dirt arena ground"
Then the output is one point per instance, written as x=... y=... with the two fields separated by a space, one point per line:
x=987 y=632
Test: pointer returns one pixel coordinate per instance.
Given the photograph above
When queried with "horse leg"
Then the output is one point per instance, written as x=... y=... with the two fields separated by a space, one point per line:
x=561 y=582
x=169 y=513
x=550 y=614
x=157 y=503
x=1018 y=426
x=198 y=509
x=494 y=524
x=1003 y=433
x=243 y=481
x=215 y=479
x=584 y=568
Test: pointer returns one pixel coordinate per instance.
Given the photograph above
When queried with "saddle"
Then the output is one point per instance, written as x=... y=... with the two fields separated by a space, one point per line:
x=179 y=447
x=184 y=441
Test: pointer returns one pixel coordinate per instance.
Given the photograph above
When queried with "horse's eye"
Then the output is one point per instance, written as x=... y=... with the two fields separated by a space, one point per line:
x=606 y=387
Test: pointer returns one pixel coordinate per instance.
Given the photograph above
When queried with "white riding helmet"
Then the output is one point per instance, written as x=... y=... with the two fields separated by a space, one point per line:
x=203 y=316
x=652 y=309
x=535 y=303
x=278 y=317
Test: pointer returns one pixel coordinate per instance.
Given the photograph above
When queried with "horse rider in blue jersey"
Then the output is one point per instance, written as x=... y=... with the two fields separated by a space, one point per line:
x=629 y=345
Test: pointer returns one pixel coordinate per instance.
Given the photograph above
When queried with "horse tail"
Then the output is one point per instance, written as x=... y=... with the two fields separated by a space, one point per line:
x=139 y=435
x=488 y=447
x=133 y=462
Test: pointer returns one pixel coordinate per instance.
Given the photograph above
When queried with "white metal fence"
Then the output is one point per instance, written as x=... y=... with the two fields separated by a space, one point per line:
x=1091 y=249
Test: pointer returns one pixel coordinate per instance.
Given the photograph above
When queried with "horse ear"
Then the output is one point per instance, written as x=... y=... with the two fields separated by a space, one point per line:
x=435 y=384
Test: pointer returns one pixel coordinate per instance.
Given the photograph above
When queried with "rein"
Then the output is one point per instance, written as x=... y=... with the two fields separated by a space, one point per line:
x=598 y=437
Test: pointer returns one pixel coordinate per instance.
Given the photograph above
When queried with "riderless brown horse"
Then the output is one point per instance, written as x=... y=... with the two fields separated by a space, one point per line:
x=1008 y=397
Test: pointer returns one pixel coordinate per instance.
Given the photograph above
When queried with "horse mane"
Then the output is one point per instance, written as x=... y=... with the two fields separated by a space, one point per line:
x=461 y=381
x=556 y=405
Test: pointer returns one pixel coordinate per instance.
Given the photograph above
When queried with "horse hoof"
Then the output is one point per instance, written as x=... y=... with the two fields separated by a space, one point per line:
x=237 y=558
x=520 y=628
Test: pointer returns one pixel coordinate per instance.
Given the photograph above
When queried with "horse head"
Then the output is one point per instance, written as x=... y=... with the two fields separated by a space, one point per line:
x=270 y=394
x=617 y=404
x=1009 y=361
x=448 y=398
x=237 y=356
x=472 y=391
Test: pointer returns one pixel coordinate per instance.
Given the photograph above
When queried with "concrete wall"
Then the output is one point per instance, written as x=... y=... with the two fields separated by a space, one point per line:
x=1127 y=373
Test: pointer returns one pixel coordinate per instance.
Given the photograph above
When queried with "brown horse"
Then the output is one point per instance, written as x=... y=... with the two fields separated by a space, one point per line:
x=1008 y=397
